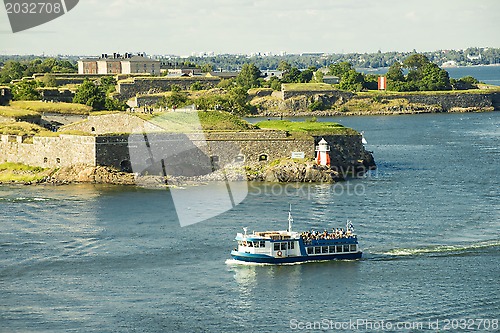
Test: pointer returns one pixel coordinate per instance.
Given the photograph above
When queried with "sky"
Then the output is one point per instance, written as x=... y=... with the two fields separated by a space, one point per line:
x=184 y=27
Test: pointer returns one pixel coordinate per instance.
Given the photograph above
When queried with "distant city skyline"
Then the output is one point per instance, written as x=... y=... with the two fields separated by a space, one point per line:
x=252 y=26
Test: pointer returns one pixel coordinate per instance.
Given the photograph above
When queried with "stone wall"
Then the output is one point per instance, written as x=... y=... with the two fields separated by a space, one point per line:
x=131 y=87
x=48 y=152
x=176 y=154
x=449 y=100
x=69 y=78
x=332 y=94
x=202 y=153
x=57 y=95
x=5 y=95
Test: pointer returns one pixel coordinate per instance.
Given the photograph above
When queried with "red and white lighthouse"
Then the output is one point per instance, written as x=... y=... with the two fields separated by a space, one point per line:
x=323 y=155
x=382 y=83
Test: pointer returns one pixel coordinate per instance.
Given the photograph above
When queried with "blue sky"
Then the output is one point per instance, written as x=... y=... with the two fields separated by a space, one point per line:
x=245 y=26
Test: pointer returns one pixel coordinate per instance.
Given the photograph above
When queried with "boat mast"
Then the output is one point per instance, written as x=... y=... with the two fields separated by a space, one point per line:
x=290 y=219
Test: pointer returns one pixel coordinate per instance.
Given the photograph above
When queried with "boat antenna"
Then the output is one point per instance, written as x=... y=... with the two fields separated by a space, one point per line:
x=290 y=219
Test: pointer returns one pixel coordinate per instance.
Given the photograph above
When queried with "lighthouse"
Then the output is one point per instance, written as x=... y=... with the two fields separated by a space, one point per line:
x=323 y=157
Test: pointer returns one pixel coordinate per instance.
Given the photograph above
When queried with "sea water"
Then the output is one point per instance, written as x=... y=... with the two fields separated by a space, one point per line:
x=96 y=258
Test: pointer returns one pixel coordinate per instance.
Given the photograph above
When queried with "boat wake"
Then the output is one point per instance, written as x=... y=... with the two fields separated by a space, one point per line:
x=443 y=250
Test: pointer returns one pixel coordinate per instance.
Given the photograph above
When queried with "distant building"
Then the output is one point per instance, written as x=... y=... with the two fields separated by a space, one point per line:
x=268 y=74
x=119 y=64
x=331 y=79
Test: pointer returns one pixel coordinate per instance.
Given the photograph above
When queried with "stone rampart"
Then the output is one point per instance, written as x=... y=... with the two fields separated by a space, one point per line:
x=177 y=154
x=48 y=152
x=142 y=85
x=448 y=100
x=57 y=95
x=332 y=94
x=5 y=95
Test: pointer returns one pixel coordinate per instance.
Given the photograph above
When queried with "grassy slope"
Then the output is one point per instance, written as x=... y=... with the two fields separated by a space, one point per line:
x=308 y=127
x=22 y=128
x=307 y=86
x=191 y=121
x=17 y=172
x=63 y=108
x=17 y=113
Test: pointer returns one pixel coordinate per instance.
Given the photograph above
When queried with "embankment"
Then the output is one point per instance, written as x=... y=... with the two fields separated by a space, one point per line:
x=335 y=103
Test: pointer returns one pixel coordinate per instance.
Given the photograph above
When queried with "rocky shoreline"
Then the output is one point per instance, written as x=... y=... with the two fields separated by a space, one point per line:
x=283 y=171
x=395 y=112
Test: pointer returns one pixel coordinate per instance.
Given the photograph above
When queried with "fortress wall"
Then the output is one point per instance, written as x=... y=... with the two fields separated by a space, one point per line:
x=335 y=94
x=187 y=155
x=131 y=87
x=449 y=100
x=65 y=150
x=200 y=152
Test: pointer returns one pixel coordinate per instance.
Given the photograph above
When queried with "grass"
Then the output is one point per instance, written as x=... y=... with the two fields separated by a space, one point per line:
x=19 y=167
x=29 y=129
x=17 y=113
x=307 y=87
x=22 y=128
x=309 y=127
x=62 y=108
x=177 y=122
x=21 y=173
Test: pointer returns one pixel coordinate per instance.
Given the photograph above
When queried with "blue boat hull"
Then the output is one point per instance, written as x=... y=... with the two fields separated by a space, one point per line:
x=264 y=259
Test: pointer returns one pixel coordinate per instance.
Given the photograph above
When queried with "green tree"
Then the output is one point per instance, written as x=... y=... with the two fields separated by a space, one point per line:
x=90 y=94
x=49 y=80
x=108 y=84
x=226 y=83
x=25 y=90
x=284 y=66
x=207 y=68
x=352 y=81
x=275 y=83
x=175 y=99
x=12 y=70
x=395 y=73
x=306 y=76
x=434 y=78
x=318 y=76
x=248 y=77
x=339 y=69
x=293 y=75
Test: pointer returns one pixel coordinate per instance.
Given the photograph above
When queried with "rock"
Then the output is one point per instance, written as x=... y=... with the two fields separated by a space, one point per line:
x=295 y=171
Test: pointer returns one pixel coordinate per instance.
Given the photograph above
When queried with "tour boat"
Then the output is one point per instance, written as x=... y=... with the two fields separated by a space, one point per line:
x=287 y=246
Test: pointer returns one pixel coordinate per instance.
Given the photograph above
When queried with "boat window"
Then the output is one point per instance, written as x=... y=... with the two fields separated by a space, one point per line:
x=346 y=248
x=353 y=248
x=324 y=249
x=250 y=244
x=256 y=244
x=240 y=243
x=310 y=250
x=276 y=246
x=262 y=244
x=332 y=249
x=283 y=246
x=317 y=249
x=291 y=245
x=339 y=248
